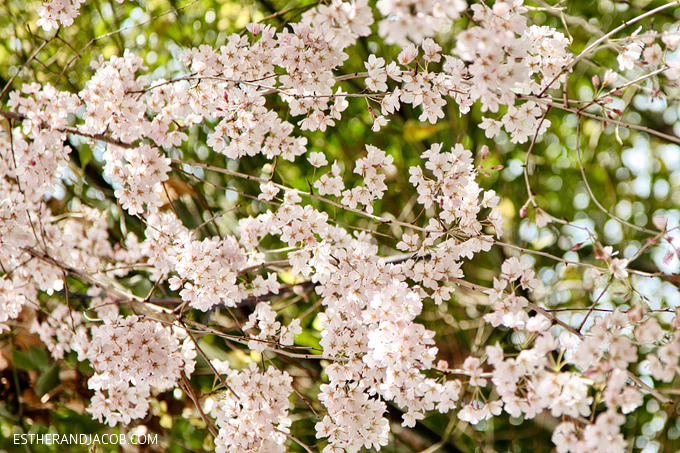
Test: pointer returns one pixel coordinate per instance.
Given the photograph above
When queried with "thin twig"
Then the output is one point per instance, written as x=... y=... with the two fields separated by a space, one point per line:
x=568 y=328
x=590 y=191
x=190 y=392
x=31 y=58
x=95 y=39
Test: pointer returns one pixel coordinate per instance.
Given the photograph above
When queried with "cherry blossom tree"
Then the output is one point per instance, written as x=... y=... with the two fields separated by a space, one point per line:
x=342 y=225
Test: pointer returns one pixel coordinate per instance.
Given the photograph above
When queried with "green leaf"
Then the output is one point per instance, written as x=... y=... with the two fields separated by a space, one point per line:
x=85 y=367
x=22 y=360
x=39 y=357
x=5 y=413
x=306 y=338
x=85 y=154
x=415 y=131
x=71 y=359
x=48 y=380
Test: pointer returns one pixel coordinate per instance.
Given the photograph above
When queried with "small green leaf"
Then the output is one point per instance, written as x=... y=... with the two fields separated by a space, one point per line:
x=39 y=357
x=85 y=367
x=85 y=155
x=71 y=358
x=48 y=380
x=22 y=360
x=415 y=131
x=5 y=413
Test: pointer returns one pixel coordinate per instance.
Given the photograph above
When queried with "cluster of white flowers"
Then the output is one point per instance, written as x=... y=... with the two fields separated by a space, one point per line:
x=163 y=232
x=416 y=19
x=12 y=300
x=252 y=414
x=370 y=322
x=330 y=183
x=59 y=330
x=38 y=155
x=297 y=226
x=526 y=386
x=342 y=21
x=354 y=420
x=110 y=105
x=264 y=319
x=454 y=191
x=496 y=72
x=603 y=354
x=130 y=357
x=207 y=271
x=602 y=436
x=139 y=174
x=58 y=13
x=509 y=308
x=374 y=184
x=664 y=363
x=32 y=161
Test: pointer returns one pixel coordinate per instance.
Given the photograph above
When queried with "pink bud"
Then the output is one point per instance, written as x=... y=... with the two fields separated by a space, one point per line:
x=660 y=222
x=675 y=323
x=523 y=212
x=255 y=29
x=484 y=151
x=596 y=81
x=604 y=366
x=636 y=314
x=667 y=258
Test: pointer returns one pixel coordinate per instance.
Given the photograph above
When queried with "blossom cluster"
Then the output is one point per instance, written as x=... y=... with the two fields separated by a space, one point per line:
x=374 y=183
x=59 y=330
x=416 y=19
x=207 y=271
x=58 y=13
x=529 y=383
x=12 y=301
x=39 y=154
x=139 y=172
x=252 y=413
x=369 y=321
x=130 y=357
x=110 y=105
x=454 y=191
x=354 y=419
x=509 y=309
x=264 y=319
